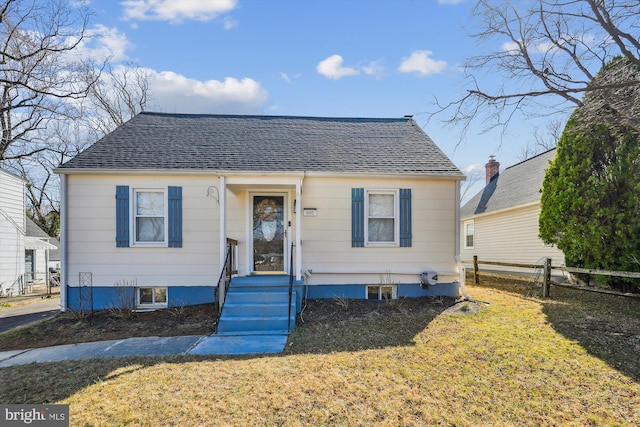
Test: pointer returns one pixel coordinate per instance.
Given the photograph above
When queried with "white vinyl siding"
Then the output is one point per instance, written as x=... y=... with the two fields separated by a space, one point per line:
x=91 y=223
x=327 y=236
x=510 y=236
x=12 y=227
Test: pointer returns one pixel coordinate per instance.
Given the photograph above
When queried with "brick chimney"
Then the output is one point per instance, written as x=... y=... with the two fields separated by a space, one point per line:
x=493 y=168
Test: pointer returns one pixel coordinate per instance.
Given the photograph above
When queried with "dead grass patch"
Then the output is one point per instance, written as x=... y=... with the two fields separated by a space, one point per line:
x=522 y=361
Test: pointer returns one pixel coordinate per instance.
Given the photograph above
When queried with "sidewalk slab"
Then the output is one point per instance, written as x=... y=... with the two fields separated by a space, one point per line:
x=150 y=346
x=147 y=346
x=4 y=355
x=240 y=344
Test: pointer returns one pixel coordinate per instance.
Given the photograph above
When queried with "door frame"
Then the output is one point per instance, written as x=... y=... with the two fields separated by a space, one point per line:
x=286 y=213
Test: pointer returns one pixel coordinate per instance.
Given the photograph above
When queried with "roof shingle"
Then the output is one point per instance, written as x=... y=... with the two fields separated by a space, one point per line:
x=267 y=143
x=518 y=185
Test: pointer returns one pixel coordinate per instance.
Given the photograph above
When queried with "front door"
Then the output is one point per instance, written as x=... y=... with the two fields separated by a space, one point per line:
x=268 y=233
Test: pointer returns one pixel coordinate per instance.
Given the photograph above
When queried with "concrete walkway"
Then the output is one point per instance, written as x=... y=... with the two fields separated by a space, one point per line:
x=222 y=344
x=150 y=346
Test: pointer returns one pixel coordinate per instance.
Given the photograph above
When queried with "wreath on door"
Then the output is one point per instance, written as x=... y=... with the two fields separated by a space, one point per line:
x=267 y=218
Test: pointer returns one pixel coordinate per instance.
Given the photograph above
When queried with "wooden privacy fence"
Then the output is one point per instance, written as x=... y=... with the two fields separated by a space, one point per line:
x=546 y=282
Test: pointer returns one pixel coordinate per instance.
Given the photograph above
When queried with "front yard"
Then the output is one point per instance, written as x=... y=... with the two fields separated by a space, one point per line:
x=570 y=360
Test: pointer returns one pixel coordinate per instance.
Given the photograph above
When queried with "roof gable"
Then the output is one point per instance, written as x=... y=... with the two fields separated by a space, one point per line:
x=13 y=176
x=34 y=229
x=518 y=185
x=158 y=141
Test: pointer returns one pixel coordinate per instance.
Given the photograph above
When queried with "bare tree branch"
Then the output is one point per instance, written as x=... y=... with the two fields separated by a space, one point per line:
x=550 y=52
x=54 y=103
x=38 y=75
x=544 y=140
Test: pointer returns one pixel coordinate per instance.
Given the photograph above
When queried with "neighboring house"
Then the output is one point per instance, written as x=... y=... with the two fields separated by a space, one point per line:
x=500 y=223
x=38 y=253
x=352 y=207
x=12 y=233
x=23 y=246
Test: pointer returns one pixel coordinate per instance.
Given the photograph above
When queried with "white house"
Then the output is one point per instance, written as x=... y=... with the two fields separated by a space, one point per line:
x=12 y=233
x=39 y=253
x=351 y=207
x=500 y=223
x=24 y=247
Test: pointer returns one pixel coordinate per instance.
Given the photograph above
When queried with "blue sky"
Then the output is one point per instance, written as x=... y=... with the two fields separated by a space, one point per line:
x=352 y=58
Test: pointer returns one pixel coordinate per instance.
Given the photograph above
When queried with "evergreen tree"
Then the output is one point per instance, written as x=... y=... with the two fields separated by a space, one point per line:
x=591 y=195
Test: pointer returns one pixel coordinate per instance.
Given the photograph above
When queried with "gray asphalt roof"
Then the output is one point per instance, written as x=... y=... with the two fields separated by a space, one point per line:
x=267 y=143
x=518 y=185
x=33 y=230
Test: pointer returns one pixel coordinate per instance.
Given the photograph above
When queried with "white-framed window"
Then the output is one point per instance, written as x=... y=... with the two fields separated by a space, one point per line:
x=148 y=297
x=469 y=234
x=381 y=292
x=381 y=218
x=149 y=222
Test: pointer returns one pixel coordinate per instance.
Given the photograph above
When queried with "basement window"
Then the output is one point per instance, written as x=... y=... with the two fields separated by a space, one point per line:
x=379 y=293
x=151 y=297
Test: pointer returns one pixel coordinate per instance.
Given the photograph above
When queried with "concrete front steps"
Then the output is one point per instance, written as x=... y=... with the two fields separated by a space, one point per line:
x=258 y=305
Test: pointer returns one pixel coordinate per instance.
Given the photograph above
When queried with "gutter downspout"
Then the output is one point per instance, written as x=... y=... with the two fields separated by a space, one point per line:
x=223 y=220
x=63 y=243
x=299 y=231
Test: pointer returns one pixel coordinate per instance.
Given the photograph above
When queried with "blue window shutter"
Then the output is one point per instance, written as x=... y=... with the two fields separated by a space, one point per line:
x=405 y=217
x=175 y=217
x=357 y=217
x=122 y=216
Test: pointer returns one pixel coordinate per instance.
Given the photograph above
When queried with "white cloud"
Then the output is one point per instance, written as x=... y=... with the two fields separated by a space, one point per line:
x=512 y=48
x=229 y=23
x=176 y=11
x=332 y=68
x=173 y=92
x=101 y=43
x=543 y=45
x=421 y=62
x=472 y=168
x=289 y=79
x=374 y=68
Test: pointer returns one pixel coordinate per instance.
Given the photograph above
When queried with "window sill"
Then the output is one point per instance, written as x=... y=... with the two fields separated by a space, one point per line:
x=150 y=245
x=381 y=245
x=149 y=307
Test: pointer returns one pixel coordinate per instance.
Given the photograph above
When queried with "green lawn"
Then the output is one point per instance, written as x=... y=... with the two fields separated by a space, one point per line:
x=570 y=360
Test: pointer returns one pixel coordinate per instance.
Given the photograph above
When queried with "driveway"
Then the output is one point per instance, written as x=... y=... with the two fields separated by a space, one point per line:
x=18 y=316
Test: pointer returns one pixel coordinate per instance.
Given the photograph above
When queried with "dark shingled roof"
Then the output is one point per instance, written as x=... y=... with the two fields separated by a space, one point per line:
x=267 y=143
x=518 y=185
x=33 y=230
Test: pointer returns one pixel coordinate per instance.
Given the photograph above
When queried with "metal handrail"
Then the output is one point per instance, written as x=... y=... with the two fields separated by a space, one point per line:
x=225 y=276
x=290 y=286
